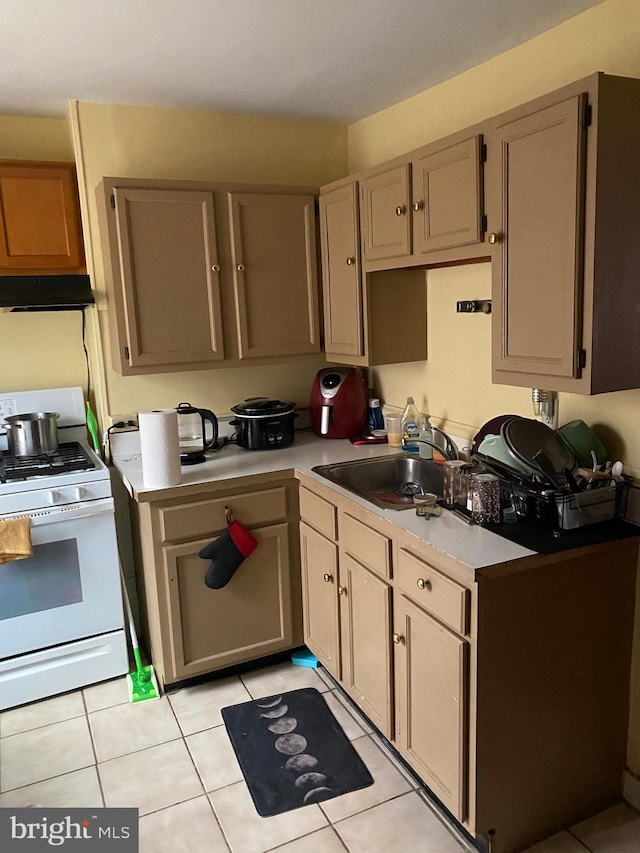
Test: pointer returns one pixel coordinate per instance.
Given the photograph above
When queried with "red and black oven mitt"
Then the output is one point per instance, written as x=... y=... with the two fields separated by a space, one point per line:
x=226 y=553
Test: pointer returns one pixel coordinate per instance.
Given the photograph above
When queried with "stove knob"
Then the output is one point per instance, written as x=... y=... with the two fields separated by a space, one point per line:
x=79 y=493
x=53 y=497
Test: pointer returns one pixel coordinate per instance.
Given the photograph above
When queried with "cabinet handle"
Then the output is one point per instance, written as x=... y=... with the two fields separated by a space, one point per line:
x=240 y=267
x=401 y=210
x=424 y=584
x=342 y=590
x=327 y=578
x=397 y=639
x=418 y=205
x=350 y=262
x=216 y=268
x=494 y=237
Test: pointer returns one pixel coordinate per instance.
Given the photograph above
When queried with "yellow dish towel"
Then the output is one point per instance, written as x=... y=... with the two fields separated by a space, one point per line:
x=15 y=539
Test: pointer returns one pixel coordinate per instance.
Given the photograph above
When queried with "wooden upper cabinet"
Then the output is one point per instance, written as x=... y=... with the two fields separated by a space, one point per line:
x=273 y=241
x=205 y=275
x=385 y=211
x=40 y=228
x=564 y=212
x=448 y=196
x=341 y=272
x=539 y=273
x=168 y=300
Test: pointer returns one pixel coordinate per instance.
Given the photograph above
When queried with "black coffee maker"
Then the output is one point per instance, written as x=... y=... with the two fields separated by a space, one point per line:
x=194 y=436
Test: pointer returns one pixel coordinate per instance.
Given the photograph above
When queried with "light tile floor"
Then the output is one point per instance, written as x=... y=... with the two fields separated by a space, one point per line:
x=173 y=761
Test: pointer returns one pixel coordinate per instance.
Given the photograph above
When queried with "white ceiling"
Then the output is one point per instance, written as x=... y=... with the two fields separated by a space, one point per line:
x=328 y=59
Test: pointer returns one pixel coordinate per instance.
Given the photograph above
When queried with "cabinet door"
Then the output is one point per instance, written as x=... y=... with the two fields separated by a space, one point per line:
x=319 y=561
x=250 y=617
x=273 y=243
x=386 y=214
x=431 y=702
x=537 y=294
x=341 y=272
x=39 y=218
x=447 y=197
x=365 y=619
x=169 y=295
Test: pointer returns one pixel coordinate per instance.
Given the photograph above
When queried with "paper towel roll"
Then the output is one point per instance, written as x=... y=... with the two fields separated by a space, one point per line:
x=159 y=448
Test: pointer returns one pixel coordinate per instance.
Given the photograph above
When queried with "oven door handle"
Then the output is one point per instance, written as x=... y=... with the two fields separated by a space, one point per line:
x=67 y=512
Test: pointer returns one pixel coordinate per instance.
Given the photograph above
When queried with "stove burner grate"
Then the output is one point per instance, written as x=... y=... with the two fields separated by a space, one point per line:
x=66 y=459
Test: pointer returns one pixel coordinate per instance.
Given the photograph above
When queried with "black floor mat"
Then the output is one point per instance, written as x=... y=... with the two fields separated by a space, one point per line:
x=292 y=751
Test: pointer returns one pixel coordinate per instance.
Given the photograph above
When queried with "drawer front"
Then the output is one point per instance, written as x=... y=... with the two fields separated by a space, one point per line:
x=366 y=545
x=202 y=518
x=433 y=591
x=320 y=514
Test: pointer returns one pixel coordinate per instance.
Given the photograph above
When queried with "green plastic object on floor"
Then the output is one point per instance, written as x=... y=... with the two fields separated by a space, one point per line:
x=141 y=682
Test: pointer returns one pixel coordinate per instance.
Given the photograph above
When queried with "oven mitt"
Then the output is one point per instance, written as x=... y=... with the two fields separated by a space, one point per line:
x=226 y=554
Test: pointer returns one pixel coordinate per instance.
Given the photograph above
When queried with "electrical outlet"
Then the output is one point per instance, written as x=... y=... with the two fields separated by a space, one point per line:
x=130 y=421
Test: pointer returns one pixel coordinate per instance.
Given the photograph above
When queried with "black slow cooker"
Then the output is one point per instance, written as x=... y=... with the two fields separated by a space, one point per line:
x=264 y=424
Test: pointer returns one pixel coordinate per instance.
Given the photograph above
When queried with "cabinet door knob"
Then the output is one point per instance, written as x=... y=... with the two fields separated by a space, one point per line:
x=240 y=267
x=216 y=268
x=401 y=210
x=397 y=639
x=327 y=578
x=418 y=205
x=424 y=584
x=342 y=590
x=494 y=237
x=350 y=262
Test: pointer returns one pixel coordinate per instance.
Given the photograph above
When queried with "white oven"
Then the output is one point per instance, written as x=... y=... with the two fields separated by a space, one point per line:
x=61 y=614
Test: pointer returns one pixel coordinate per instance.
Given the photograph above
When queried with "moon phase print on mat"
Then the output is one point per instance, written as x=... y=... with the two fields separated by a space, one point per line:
x=310 y=780
x=269 y=702
x=283 y=726
x=274 y=713
x=301 y=762
x=316 y=795
x=291 y=744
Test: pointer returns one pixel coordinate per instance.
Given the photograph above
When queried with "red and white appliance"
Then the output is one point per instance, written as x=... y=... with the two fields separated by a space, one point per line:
x=61 y=615
x=338 y=404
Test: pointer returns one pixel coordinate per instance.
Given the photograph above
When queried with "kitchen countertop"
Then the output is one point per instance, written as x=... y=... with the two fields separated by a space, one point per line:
x=470 y=545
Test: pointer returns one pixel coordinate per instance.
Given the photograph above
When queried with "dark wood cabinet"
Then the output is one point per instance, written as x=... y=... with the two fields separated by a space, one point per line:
x=40 y=229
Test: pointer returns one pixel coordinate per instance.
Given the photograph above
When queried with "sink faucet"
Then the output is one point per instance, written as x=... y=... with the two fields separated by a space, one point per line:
x=450 y=451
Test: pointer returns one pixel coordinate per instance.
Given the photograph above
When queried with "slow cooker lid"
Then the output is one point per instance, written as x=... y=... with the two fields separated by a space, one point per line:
x=262 y=407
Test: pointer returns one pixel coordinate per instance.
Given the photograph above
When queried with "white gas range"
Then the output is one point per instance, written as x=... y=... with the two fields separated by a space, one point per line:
x=61 y=615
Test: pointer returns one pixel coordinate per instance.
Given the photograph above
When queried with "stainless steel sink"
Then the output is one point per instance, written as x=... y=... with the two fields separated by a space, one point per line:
x=387 y=481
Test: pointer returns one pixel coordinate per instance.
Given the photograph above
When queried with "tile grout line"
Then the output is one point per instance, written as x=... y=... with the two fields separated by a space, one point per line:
x=93 y=747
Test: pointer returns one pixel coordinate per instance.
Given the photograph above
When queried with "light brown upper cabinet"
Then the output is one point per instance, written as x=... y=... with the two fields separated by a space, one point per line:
x=564 y=212
x=363 y=312
x=427 y=207
x=40 y=228
x=208 y=275
x=341 y=271
x=273 y=241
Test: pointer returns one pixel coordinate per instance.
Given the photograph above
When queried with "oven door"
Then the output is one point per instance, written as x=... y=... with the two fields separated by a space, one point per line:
x=70 y=588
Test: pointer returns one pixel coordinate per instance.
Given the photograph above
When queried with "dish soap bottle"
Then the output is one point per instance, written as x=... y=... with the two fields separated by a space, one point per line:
x=410 y=430
x=426 y=434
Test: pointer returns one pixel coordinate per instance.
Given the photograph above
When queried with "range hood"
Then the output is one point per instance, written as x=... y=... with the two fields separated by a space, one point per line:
x=45 y=292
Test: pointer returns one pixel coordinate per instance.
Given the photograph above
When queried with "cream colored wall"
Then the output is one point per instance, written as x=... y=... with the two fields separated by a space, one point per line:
x=455 y=383
x=149 y=142
x=39 y=350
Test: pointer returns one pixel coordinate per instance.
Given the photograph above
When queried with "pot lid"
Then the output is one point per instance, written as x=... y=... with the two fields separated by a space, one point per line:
x=256 y=407
x=532 y=441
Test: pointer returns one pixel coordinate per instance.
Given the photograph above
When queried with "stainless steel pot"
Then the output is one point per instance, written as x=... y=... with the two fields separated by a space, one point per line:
x=34 y=434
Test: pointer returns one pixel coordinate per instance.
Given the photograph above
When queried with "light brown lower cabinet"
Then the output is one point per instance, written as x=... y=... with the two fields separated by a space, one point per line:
x=432 y=665
x=505 y=688
x=192 y=629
